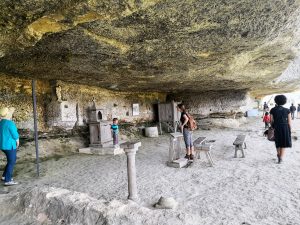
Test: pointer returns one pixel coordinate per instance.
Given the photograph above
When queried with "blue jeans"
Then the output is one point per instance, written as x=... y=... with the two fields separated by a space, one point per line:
x=188 y=137
x=11 y=156
x=115 y=139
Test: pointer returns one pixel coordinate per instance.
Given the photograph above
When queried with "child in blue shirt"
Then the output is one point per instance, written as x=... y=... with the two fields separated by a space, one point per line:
x=115 y=131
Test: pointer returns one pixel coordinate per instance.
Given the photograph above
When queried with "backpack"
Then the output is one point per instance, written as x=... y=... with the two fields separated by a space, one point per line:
x=271 y=135
x=192 y=124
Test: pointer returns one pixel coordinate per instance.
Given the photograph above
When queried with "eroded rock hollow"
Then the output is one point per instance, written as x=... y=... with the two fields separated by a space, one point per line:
x=154 y=46
x=122 y=58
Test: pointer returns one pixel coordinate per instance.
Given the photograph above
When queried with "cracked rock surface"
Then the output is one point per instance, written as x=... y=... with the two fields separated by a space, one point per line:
x=154 y=45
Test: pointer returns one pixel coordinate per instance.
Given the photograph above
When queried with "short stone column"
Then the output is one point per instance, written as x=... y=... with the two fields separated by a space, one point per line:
x=175 y=148
x=130 y=149
x=175 y=151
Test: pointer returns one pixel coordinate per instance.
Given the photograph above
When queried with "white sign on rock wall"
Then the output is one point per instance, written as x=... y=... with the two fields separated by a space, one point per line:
x=135 y=109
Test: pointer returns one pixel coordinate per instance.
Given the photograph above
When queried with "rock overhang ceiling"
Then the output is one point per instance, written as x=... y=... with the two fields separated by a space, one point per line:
x=154 y=45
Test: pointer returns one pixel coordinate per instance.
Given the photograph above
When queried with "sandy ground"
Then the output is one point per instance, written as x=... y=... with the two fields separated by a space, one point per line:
x=251 y=190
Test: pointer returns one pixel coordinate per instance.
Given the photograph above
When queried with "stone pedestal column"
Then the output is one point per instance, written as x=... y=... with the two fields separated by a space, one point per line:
x=130 y=149
x=175 y=147
x=171 y=149
x=131 y=173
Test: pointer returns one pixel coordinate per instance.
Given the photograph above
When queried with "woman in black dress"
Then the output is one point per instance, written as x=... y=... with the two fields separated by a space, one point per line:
x=281 y=122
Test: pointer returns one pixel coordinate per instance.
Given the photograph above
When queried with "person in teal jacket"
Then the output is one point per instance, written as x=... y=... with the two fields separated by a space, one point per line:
x=115 y=132
x=9 y=141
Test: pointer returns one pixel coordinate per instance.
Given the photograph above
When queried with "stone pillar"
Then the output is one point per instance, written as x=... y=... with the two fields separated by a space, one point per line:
x=130 y=149
x=175 y=147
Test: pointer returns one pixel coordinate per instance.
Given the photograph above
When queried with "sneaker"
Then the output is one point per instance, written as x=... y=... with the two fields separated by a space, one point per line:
x=3 y=179
x=10 y=183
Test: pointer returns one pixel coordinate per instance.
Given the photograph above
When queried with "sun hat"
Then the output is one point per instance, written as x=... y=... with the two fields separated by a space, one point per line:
x=3 y=112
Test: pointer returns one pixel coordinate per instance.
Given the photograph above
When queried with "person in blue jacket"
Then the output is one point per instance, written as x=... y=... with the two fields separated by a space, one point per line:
x=115 y=132
x=9 y=141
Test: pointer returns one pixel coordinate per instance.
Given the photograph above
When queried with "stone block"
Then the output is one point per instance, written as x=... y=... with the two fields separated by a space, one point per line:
x=179 y=163
x=151 y=132
x=101 y=145
x=61 y=114
x=176 y=135
x=131 y=145
x=102 y=151
x=85 y=150
x=166 y=203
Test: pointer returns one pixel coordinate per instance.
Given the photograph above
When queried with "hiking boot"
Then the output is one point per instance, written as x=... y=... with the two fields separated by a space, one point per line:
x=10 y=183
x=191 y=157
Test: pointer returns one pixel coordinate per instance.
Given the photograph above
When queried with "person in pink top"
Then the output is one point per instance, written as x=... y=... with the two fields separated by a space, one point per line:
x=267 y=120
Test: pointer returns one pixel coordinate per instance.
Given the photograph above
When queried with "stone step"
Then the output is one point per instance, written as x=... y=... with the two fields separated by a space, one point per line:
x=179 y=163
x=102 y=151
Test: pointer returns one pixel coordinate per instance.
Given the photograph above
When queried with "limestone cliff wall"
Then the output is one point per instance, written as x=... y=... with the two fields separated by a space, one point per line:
x=113 y=103
x=215 y=104
x=16 y=92
x=64 y=105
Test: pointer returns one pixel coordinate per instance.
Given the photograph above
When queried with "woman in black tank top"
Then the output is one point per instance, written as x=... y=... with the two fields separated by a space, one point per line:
x=187 y=133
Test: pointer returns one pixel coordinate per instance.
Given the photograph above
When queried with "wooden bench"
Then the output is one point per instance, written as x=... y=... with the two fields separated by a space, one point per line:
x=239 y=143
x=201 y=145
x=199 y=141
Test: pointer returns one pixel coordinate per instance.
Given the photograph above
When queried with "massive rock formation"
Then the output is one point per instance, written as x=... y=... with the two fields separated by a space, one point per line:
x=154 y=45
x=50 y=205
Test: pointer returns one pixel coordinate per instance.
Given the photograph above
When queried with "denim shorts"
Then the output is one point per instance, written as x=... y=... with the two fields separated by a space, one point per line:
x=188 y=137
